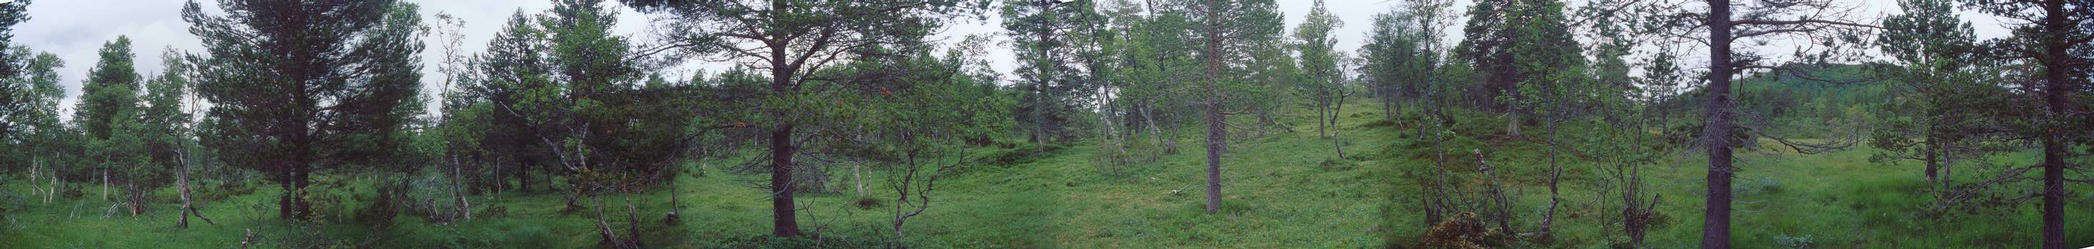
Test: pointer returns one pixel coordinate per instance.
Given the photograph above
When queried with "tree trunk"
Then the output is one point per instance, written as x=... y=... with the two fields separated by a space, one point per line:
x=1323 y=112
x=675 y=203
x=523 y=175
x=52 y=192
x=135 y=196
x=603 y=227
x=1169 y=146
x=283 y=203
x=1040 y=86
x=1933 y=158
x=858 y=180
x=1715 y=228
x=1555 y=175
x=301 y=179
x=495 y=170
x=36 y=165
x=1217 y=143
x=465 y=209
x=632 y=225
x=2055 y=26
x=1503 y=206
x=783 y=222
x=1217 y=126
x=1336 y=142
x=1512 y=121
x=188 y=206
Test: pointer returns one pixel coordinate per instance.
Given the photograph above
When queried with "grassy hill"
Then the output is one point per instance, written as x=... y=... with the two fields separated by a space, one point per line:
x=1283 y=190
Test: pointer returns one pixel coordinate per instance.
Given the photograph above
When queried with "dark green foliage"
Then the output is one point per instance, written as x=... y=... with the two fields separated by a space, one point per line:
x=1524 y=52
x=500 y=106
x=1053 y=41
x=2053 y=43
x=1942 y=111
x=16 y=99
x=301 y=87
x=1402 y=53
x=109 y=113
x=848 y=30
x=110 y=93
x=35 y=140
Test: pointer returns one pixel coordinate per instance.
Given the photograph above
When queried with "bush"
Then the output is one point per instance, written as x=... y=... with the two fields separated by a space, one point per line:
x=1380 y=123
x=809 y=241
x=1798 y=242
x=1337 y=164
x=1462 y=231
x=866 y=203
x=1760 y=186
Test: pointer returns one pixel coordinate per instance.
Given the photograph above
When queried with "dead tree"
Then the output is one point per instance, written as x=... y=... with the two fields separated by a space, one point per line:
x=1502 y=206
x=915 y=179
x=182 y=186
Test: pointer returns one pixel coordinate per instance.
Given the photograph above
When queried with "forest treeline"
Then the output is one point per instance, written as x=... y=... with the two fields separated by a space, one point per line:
x=316 y=96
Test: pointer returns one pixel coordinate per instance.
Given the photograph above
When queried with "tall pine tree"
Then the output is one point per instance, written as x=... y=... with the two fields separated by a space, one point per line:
x=298 y=86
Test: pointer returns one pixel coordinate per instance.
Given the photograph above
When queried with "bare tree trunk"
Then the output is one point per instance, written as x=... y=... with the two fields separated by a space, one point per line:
x=1323 y=104
x=1336 y=141
x=188 y=206
x=1716 y=133
x=1932 y=157
x=1217 y=142
x=1155 y=131
x=465 y=209
x=783 y=222
x=523 y=175
x=2055 y=26
x=52 y=192
x=496 y=176
x=1437 y=205
x=603 y=227
x=1512 y=122
x=1217 y=126
x=858 y=179
x=1555 y=175
x=675 y=205
x=1503 y=208
x=632 y=225
x=36 y=165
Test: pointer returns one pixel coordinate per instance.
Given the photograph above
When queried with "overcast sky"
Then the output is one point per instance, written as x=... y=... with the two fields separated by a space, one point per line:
x=76 y=29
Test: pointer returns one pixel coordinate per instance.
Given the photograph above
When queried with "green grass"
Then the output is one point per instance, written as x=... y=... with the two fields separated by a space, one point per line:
x=1283 y=190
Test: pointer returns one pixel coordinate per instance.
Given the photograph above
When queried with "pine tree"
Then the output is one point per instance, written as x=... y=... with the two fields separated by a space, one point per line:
x=15 y=99
x=799 y=39
x=301 y=85
x=1225 y=31
x=108 y=113
x=1319 y=63
x=1050 y=39
x=513 y=68
x=2056 y=36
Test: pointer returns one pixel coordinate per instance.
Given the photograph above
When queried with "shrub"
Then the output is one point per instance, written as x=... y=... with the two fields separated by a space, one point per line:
x=811 y=241
x=866 y=202
x=1337 y=164
x=1791 y=241
x=1760 y=186
x=1462 y=231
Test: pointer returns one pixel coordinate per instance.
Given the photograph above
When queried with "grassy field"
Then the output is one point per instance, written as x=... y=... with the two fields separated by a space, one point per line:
x=1283 y=190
